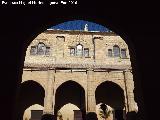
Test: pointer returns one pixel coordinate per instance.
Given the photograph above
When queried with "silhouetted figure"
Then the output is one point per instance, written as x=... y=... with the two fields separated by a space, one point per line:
x=48 y=117
x=104 y=108
x=91 y=116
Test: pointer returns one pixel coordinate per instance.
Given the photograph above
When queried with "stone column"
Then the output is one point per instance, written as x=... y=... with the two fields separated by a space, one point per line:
x=54 y=92
x=48 y=101
x=91 y=101
x=129 y=83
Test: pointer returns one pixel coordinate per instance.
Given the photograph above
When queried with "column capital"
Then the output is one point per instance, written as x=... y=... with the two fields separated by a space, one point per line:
x=51 y=70
x=90 y=69
x=127 y=70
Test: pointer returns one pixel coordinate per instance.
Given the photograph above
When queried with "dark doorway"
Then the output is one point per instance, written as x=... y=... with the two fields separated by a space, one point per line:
x=111 y=94
x=70 y=92
x=36 y=114
x=77 y=115
x=30 y=93
x=119 y=115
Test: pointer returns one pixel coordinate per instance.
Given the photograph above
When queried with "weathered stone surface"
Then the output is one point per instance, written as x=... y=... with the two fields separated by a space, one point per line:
x=52 y=70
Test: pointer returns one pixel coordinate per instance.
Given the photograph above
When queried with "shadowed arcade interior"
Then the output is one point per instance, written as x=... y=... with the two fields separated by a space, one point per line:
x=31 y=93
x=111 y=94
x=70 y=92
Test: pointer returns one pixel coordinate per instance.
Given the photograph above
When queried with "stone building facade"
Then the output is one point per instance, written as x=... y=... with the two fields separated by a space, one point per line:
x=97 y=62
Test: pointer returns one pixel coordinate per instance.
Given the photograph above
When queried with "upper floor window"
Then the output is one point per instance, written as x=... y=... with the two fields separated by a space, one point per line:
x=47 y=50
x=72 y=51
x=110 y=52
x=33 y=50
x=40 y=49
x=116 y=51
x=123 y=53
x=86 y=52
x=79 y=50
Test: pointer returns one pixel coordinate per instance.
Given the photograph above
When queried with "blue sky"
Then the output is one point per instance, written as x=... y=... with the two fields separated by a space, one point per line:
x=79 y=25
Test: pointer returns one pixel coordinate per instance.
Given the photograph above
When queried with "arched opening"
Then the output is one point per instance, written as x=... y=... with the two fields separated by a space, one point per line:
x=33 y=112
x=70 y=92
x=30 y=93
x=112 y=95
x=67 y=112
x=79 y=50
x=41 y=48
x=116 y=51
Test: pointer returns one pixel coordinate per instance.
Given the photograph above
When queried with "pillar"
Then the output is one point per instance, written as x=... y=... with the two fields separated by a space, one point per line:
x=48 y=101
x=54 y=92
x=91 y=101
x=129 y=85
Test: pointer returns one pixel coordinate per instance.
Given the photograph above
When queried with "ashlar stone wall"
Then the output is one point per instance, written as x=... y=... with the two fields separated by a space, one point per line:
x=53 y=70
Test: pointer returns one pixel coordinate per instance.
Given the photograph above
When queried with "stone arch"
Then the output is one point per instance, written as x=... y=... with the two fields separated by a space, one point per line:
x=38 y=82
x=70 y=92
x=118 y=83
x=27 y=112
x=30 y=93
x=67 y=111
x=59 y=83
x=113 y=92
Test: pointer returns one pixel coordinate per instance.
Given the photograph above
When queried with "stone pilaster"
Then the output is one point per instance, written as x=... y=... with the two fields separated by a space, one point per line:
x=91 y=101
x=126 y=100
x=129 y=83
x=48 y=101
x=54 y=92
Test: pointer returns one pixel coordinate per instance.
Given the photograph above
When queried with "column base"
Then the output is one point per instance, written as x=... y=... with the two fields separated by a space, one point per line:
x=48 y=117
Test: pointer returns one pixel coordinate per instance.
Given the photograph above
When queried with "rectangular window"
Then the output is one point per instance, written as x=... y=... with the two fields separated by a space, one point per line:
x=77 y=115
x=123 y=53
x=86 y=52
x=72 y=51
x=79 y=50
x=47 y=50
x=109 y=52
x=116 y=51
x=41 y=49
x=33 y=50
x=36 y=114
